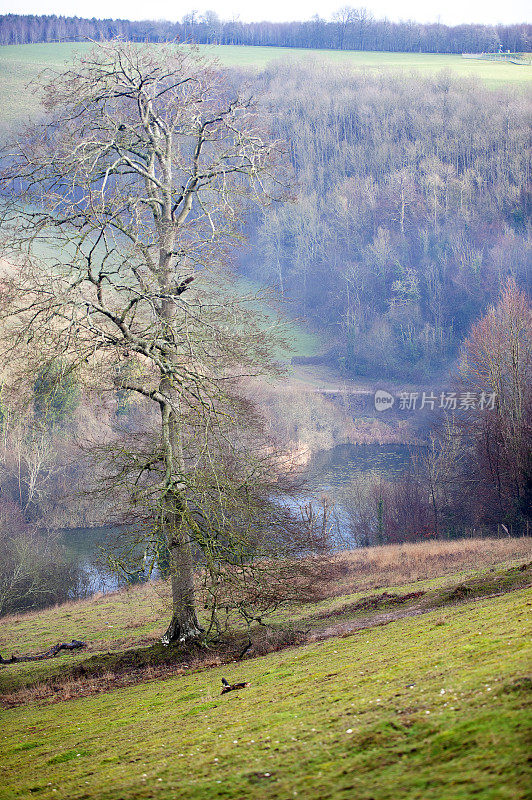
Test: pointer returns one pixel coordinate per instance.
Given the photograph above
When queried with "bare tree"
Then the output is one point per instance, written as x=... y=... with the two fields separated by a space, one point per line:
x=438 y=467
x=123 y=203
x=496 y=367
x=344 y=18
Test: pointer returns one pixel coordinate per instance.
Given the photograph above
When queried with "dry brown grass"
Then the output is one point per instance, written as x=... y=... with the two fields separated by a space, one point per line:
x=56 y=691
x=396 y=564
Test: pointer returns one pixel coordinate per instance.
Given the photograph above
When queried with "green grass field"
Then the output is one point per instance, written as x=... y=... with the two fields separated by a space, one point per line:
x=433 y=705
x=19 y=64
x=136 y=617
x=421 y=708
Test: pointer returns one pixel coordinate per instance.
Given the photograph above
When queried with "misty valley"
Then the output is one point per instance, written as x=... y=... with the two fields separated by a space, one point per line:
x=265 y=409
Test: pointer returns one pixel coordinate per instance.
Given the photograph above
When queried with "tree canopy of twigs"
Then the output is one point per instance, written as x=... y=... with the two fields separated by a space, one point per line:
x=118 y=212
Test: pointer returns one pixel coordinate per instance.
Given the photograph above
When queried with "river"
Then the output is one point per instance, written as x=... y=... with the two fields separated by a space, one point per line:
x=328 y=471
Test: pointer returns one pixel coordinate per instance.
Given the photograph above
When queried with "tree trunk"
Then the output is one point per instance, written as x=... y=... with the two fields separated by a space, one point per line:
x=184 y=624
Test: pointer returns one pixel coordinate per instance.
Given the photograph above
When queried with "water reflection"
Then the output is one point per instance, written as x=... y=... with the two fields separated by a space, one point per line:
x=336 y=467
x=84 y=547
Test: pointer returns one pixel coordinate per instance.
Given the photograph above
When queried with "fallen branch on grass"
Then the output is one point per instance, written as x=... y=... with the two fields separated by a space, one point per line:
x=53 y=651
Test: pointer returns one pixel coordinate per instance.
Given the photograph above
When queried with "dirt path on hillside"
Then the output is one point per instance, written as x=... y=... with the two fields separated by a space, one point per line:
x=371 y=621
x=349 y=628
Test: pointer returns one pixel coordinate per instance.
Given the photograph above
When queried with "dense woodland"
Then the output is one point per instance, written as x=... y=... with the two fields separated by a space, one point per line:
x=349 y=29
x=474 y=473
x=413 y=206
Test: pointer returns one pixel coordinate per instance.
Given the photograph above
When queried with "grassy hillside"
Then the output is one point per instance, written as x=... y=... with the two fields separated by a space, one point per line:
x=136 y=617
x=19 y=64
x=426 y=692
x=434 y=705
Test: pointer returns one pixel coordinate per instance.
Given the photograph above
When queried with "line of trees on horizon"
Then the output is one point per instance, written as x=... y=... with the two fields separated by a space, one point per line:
x=349 y=29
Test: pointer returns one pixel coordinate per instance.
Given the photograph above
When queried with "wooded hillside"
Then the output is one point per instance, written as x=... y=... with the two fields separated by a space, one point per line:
x=413 y=206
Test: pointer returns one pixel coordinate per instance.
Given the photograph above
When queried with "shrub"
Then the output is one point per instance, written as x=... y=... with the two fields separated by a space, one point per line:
x=34 y=571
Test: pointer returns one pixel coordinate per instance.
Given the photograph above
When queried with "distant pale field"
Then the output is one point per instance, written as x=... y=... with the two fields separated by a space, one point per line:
x=19 y=64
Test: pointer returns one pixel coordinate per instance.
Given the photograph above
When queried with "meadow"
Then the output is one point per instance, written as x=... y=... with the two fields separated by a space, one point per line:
x=20 y=64
x=433 y=701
